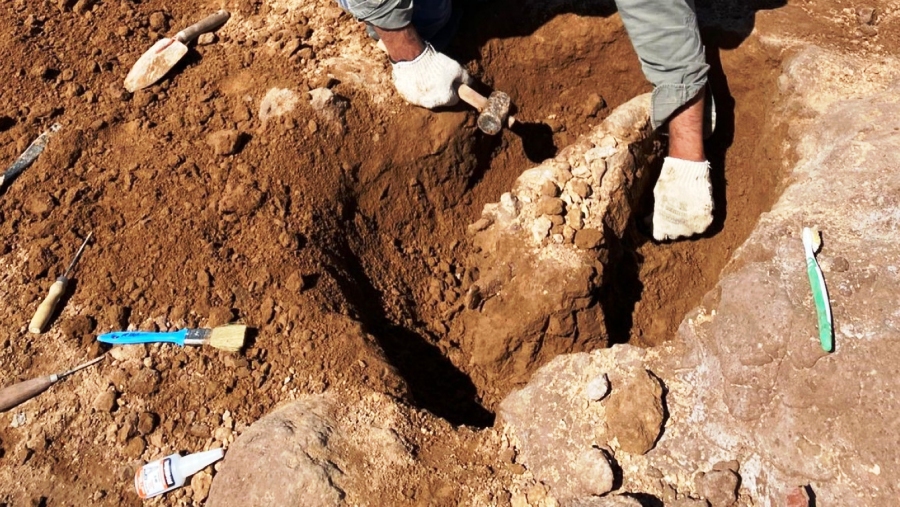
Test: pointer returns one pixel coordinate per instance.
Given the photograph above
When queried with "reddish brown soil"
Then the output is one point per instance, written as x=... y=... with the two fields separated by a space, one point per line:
x=334 y=245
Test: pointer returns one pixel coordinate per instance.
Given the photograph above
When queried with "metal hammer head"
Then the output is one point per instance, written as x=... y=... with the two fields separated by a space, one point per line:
x=495 y=114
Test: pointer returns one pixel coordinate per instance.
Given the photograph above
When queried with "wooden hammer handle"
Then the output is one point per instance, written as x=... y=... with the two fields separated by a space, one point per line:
x=471 y=97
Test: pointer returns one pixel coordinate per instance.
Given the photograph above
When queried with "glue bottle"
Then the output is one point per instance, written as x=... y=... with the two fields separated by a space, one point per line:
x=161 y=476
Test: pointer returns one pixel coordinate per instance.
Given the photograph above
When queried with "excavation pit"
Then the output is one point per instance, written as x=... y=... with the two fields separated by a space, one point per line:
x=638 y=291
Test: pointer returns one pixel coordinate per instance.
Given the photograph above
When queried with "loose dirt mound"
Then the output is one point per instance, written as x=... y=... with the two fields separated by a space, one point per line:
x=300 y=227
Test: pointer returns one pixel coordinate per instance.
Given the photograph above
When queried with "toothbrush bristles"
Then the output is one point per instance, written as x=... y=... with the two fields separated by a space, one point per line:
x=816 y=239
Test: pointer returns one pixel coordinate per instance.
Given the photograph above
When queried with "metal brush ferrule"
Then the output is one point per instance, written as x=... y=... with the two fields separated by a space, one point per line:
x=197 y=336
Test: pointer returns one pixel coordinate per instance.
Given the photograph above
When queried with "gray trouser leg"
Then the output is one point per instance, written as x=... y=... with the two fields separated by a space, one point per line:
x=666 y=37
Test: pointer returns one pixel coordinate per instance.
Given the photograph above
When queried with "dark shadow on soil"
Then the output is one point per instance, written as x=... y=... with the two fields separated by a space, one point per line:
x=618 y=474
x=435 y=383
x=720 y=141
x=537 y=140
x=6 y=123
x=483 y=149
x=621 y=288
x=646 y=500
x=729 y=21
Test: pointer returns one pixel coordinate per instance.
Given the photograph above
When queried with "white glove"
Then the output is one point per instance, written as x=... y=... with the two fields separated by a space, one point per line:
x=430 y=80
x=683 y=196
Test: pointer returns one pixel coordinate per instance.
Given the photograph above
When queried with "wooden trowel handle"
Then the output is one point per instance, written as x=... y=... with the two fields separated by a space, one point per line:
x=23 y=391
x=208 y=24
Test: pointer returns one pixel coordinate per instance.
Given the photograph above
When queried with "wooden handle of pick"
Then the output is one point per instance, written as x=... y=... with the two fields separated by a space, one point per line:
x=45 y=309
x=471 y=97
x=23 y=391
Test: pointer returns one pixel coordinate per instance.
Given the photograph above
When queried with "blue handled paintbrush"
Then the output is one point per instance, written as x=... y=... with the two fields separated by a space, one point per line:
x=229 y=338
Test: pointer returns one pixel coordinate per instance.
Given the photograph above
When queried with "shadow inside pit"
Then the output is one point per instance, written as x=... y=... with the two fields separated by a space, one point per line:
x=435 y=383
x=720 y=141
x=646 y=500
x=729 y=21
x=250 y=338
x=537 y=143
x=537 y=140
x=621 y=287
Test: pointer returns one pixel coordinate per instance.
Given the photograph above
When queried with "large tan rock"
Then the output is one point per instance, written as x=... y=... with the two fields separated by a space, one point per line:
x=755 y=407
x=320 y=450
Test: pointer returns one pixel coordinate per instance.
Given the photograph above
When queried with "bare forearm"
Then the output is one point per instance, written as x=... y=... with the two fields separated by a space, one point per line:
x=686 y=131
x=403 y=44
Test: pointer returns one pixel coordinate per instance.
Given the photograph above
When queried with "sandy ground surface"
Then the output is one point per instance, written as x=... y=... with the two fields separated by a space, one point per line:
x=334 y=237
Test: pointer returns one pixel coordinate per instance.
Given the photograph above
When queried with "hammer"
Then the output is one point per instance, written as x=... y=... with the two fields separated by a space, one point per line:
x=494 y=110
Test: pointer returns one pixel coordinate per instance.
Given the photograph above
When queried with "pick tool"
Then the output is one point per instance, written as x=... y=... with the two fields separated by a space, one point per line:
x=45 y=309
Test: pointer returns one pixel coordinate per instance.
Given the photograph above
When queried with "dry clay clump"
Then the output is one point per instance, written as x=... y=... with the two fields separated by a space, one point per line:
x=572 y=198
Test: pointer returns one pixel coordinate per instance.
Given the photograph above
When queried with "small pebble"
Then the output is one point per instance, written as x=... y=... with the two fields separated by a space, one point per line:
x=865 y=15
x=480 y=225
x=581 y=188
x=224 y=142
x=158 y=21
x=549 y=189
x=598 y=388
x=206 y=39
x=146 y=423
x=587 y=239
x=551 y=206
x=200 y=484
x=135 y=447
x=18 y=420
x=106 y=401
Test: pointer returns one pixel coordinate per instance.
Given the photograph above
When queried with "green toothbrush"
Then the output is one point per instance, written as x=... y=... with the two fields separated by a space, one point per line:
x=812 y=241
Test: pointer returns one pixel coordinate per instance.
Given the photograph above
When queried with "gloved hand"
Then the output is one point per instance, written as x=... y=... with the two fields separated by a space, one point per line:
x=430 y=80
x=683 y=196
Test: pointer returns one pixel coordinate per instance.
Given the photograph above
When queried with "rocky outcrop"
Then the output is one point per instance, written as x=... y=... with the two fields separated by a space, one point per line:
x=754 y=408
x=317 y=451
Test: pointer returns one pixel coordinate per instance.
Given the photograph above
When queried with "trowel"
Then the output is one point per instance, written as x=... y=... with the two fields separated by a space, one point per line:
x=159 y=59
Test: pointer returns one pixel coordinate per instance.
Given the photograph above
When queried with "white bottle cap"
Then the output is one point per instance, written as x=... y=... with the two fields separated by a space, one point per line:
x=193 y=463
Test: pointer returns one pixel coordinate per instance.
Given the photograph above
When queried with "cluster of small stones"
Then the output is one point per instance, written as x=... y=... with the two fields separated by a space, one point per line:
x=567 y=200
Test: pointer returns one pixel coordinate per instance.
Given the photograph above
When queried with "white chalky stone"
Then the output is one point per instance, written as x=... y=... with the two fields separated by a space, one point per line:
x=541 y=228
x=598 y=388
x=581 y=171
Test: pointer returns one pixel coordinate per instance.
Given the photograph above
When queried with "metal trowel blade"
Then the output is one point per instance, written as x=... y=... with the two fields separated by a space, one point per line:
x=154 y=64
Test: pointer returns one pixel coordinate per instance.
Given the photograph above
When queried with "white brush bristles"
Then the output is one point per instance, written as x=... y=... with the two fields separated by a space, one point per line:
x=228 y=338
